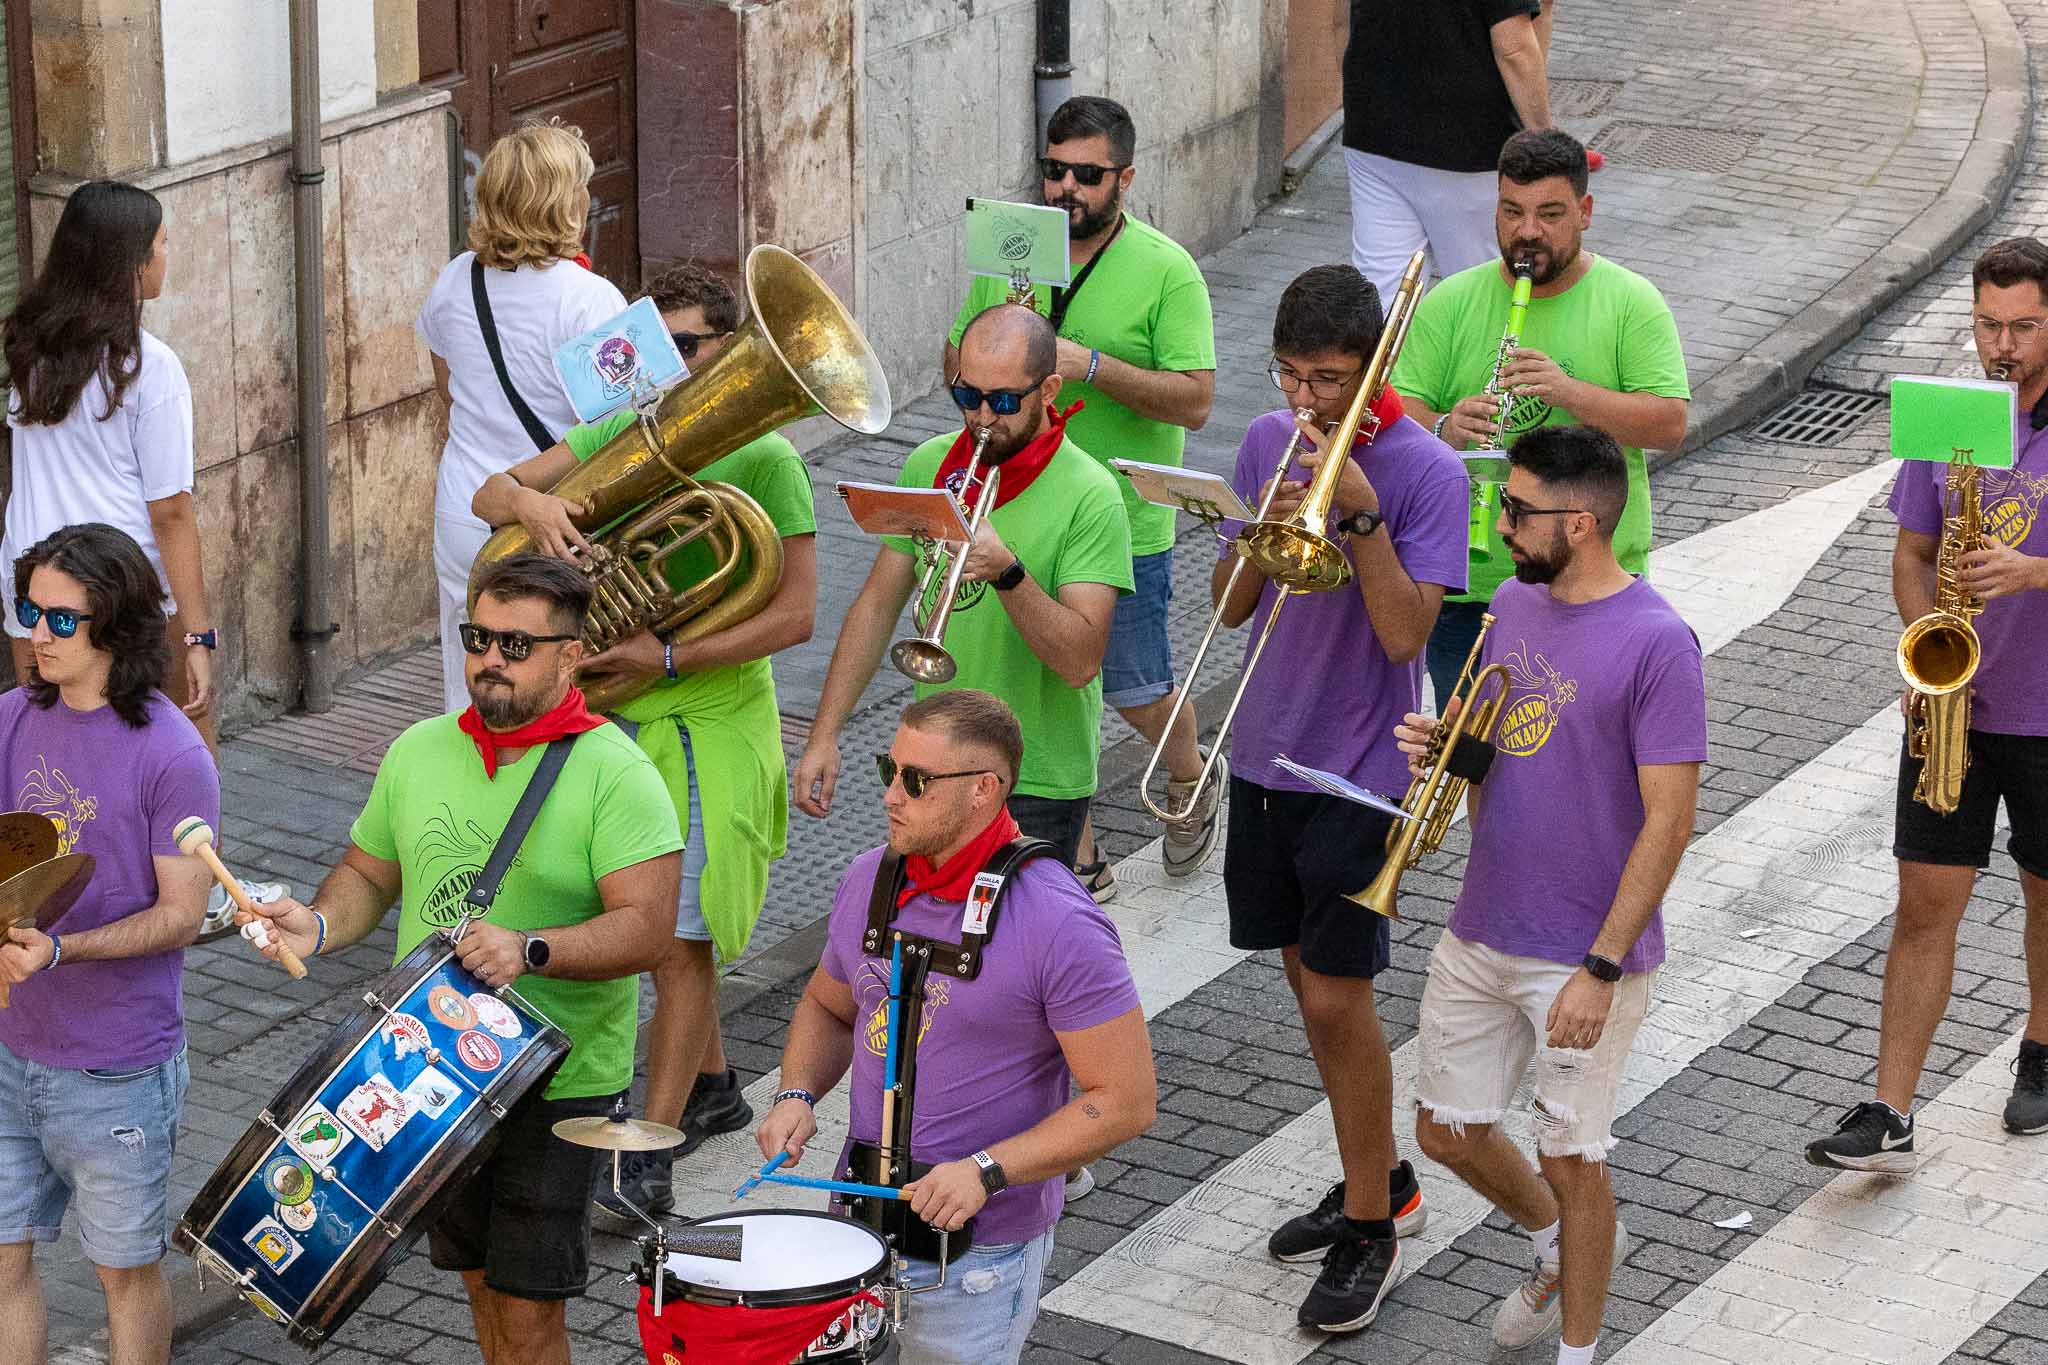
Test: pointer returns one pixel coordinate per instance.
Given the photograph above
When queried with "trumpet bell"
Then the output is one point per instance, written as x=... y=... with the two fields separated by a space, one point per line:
x=1295 y=556
x=1938 y=654
x=922 y=661
x=1380 y=896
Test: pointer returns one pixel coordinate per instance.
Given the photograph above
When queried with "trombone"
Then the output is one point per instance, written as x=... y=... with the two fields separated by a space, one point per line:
x=923 y=657
x=1294 y=553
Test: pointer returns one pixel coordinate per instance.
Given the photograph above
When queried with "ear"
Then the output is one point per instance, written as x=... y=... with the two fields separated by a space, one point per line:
x=1125 y=176
x=1050 y=389
x=1586 y=210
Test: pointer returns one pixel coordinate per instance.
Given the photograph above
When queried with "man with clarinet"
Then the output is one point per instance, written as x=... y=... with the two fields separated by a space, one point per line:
x=976 y=971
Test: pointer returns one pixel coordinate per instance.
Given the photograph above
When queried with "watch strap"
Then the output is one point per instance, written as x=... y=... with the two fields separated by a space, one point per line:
x=1010 y=577
x=1602 y=968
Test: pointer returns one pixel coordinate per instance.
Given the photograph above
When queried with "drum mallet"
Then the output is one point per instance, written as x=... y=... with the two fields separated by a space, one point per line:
x=194 y=838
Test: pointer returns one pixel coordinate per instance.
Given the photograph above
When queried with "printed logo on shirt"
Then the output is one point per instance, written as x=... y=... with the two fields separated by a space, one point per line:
x=874 y=997
x=452 y=850
x=47 y=791
x=1529 y=412
x=2012 y=502
x=1537 y=696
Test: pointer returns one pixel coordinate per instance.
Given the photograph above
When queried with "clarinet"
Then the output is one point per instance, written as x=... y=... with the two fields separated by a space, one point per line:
x=1484 y=486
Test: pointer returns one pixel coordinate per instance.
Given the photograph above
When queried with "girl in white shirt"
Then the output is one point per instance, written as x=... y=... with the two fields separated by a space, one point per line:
x=102 y=419
x=532 y=198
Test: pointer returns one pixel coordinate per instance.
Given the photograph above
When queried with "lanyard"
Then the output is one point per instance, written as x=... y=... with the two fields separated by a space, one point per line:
x=1063 y=299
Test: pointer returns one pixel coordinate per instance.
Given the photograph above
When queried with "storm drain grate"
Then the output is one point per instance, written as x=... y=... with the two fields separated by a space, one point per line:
x=1571 y=98
x=1818 y=416
x=1673 y=147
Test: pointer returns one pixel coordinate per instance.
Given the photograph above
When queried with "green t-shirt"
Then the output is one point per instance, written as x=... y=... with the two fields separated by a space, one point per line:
x=1067 y=527
x=1146 y=304
x=1612 y=329
x=434 y=813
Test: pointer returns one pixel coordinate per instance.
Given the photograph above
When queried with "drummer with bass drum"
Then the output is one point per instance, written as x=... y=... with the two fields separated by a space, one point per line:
x=518 y=1231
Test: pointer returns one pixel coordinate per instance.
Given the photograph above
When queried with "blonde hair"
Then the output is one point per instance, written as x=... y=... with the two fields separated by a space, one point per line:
x=529 y=196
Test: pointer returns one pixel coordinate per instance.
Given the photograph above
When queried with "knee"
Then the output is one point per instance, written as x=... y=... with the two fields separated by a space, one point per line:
x=688 y=963
x=529 y=1319
x=1332 y=1003
x=128 y=1281
x=17 y=1267
x=1446 y=1144
x=1573 y=1177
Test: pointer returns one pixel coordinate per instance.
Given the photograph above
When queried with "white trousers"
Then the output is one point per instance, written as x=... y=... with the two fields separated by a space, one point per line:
x=1397 y=207
x=455 y=547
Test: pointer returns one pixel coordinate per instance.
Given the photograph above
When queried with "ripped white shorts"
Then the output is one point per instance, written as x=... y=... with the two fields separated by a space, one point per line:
x=1483 y=1021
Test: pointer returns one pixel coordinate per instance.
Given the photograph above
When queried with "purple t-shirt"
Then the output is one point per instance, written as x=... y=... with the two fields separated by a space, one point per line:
x=1324 y=693
x=1596 y=690
x=115 y=793
x=2007 y=696
x=988 y=1065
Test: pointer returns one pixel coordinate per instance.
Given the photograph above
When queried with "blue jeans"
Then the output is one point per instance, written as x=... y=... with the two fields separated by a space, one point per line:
x=985 y=1311
x=1457 y=626
x=1137 y=663
x=99 y=1142
x=690 y=922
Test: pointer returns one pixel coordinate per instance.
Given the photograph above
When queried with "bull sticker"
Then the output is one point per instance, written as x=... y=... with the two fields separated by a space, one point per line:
x=374 y=1111
x=1537 y=696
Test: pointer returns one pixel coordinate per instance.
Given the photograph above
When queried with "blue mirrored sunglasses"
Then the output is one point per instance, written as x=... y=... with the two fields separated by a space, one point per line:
x=63 y=620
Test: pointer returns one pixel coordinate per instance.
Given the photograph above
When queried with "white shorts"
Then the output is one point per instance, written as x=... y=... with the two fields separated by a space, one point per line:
x=455 y=547
x=1483 y=1020
x=1397 y=207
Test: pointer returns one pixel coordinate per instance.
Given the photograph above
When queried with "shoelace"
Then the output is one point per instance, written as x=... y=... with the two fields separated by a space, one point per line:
x=1341 y=1266
x=1865 y=1116
x=1539 y=1288
x=1332 y=1200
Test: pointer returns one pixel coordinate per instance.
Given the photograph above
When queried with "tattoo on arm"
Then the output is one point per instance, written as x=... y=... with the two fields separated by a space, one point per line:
x=1088 y=1108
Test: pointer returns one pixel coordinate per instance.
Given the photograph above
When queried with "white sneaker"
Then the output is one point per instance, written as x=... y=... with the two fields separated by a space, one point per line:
x=220 y=907
x=1080 y=1184
x=1188 y=841
x=1536 y=1310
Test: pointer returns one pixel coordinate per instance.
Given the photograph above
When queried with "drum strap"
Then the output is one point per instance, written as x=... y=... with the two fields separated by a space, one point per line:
x=484 y=889
x=978 y=918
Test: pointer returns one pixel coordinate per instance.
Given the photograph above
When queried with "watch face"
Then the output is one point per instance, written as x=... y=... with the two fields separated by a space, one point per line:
x=536 y=953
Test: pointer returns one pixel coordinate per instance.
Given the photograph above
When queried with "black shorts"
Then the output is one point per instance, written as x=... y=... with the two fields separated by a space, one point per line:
x=2012 y=768
x=524 y=1217
x=1057 y=822
x=1291 y=859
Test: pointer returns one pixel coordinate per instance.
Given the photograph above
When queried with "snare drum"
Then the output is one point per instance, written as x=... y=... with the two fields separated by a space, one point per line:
x=357 y=1154
x=790 y=1259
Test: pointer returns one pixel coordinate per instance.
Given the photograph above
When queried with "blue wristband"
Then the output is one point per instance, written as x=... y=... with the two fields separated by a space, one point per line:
x=794 y=1093
x=668 y=659
x=1094 y=360
x=320 y=942
x=56 y=952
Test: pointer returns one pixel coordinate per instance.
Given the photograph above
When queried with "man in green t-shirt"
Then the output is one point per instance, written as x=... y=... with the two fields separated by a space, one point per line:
x=1041 y=581
x=1598 y=349
x=711 y=725
x=584 y=908
x=1138 y=347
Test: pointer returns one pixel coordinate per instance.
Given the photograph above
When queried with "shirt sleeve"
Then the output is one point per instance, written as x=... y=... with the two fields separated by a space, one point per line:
x=783 y=488
x=1083 y=979
x=162 y=430
x=635 y=818
x=372 y=832
x=1670 y=720
x=1422 y=370
x=1651 y=359
x=1184 y=328
x=1433 y=541
x=597 y=303
x=1919 y=496
x=1097 y=548
x=187 y=784
x=586 y=440
x=854 y=886
x=980 y=295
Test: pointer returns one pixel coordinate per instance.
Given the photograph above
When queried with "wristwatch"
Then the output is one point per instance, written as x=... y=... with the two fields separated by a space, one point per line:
x=210 y=637
x=1009 y=578
x=1602 y=968
x=537 y=953
x=1362 y=523
x=992 y=1177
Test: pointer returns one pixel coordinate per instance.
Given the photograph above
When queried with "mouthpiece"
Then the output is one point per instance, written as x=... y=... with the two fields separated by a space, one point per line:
x=2002 y=370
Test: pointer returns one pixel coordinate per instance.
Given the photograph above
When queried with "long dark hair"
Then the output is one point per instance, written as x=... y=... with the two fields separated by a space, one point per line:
x=83 y=314
x=126 y=602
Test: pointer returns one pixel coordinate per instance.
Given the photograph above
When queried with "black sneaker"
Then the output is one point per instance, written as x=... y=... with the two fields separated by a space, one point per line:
x=644 y=1179
x=2027 y=1110
x=716 y=1105
x=1306 y=1236
x=1357 y=1273
x=1870 y=1137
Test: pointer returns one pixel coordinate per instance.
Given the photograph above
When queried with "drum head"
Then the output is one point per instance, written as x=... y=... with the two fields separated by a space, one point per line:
x=789 y=1256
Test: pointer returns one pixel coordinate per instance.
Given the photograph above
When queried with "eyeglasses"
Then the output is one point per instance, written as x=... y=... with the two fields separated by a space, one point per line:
x=687 y=342
x=1514 y=509
x=915 y=780
x=1001 y=402
x=63 y=620
x=1085 y=175
x=515 y=645
x=1287 y=381
x=2023 y=331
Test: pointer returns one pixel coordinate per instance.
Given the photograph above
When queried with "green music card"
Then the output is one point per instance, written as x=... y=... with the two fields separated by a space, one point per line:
x=1007 y=240
x=1934 y=418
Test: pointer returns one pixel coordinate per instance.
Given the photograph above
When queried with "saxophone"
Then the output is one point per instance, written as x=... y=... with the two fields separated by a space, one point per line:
x=1939 y=653
x=1486 y=466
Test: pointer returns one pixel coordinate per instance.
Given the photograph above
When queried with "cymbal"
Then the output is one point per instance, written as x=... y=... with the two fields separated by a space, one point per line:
x=39 y=894
x=616 y=1135
x=26 y=839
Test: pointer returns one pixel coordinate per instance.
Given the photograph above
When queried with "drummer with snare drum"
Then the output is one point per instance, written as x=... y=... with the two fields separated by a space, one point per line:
x=519 y=1231
x=1025 y=986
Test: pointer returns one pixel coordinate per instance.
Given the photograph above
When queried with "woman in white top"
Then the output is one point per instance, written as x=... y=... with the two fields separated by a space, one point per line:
x=102 y=419
x=532 y=198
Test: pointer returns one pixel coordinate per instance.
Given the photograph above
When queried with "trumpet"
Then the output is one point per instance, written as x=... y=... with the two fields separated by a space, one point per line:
x=1939 y=653
x=923 y=657
x=1432 y=800
x=1485 y=465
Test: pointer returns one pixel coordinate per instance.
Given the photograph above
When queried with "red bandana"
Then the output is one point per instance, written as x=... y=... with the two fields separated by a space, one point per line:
x=1386 y=410
x=582 y=258
x=571 y=717
x=1018 y=471
x=952 y=882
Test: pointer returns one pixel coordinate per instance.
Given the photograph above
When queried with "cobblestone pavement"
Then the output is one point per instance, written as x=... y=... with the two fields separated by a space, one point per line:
x=1843 y=125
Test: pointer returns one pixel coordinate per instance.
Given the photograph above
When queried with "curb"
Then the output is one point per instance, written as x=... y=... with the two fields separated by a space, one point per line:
x=1770 y=374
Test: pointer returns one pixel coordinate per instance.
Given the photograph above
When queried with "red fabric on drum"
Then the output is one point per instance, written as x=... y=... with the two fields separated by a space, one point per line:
x=690 y=1333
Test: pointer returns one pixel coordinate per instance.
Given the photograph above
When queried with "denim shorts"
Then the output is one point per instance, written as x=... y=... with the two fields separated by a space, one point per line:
x=1137 y=667
x=984 y=1313
x=690 y=921
x=96 y=1142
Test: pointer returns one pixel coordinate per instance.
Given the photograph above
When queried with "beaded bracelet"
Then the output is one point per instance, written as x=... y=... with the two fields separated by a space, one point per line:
x=668 y=659
x=1438 y=430
x=794 y=1094
x=1094 y=360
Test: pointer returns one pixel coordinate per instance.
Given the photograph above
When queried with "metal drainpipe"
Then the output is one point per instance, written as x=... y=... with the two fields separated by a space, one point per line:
x=315 y=626
x=1054 y=73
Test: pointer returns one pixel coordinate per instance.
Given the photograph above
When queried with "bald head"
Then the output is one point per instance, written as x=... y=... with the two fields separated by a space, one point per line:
x=1010 y=337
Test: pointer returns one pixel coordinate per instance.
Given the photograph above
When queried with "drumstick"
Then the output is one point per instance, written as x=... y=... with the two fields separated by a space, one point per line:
x=769 y=1168
x=194 y=837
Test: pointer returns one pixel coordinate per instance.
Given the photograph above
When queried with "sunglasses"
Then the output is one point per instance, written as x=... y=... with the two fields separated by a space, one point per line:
x=1001 y=402
x=515 y=645
x=687 y=342
x=1514 y=509
x=63 y=620
x=1085 y=175
x=915 y=780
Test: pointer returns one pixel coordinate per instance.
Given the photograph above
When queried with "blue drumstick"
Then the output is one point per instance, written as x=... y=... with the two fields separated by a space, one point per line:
x=836 y=1186
x=889 y=1020
x=766 y=1170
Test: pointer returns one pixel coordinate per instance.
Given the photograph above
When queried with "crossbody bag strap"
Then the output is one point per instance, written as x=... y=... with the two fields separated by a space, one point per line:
x=536 y=432
x=484 y=890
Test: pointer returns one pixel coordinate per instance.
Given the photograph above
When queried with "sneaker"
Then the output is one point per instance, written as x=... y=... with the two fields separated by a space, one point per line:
x=2027 y=1110
x=1095 y=877
x=644 y=1180
x=1307 y=1236
x=221 y=908
x=1356 y=1275
x=716 y=1105
x=1080 y=1184
x=1536 y=1310
x=1188 y=841
x=1870 y=1137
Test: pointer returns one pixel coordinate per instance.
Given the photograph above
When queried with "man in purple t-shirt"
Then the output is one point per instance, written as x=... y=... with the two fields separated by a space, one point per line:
x=993 y=1132
x=92 y=1033
x=2008 y=737
x=1577 y=828
x=1339 y=669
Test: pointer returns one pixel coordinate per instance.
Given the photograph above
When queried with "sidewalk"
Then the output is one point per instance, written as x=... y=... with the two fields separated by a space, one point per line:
x=1781 y=174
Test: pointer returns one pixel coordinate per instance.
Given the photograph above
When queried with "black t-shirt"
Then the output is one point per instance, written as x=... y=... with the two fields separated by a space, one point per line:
x=1421 y=85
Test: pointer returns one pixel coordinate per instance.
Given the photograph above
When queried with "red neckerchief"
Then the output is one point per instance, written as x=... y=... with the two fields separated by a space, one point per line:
x=1386 y=410
x=1019 y=470
x=570 y=717
x=952 y=882
x=582 y=258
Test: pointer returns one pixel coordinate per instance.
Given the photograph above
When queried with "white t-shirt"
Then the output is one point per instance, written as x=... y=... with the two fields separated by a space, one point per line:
x=84 y=469
x=536 y=310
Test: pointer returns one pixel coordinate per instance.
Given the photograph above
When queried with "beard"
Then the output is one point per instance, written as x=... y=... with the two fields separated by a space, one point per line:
x=503 y=706
x=1546 y=265
x=1532 y=567
x=1082 y=222
x=1003 y=444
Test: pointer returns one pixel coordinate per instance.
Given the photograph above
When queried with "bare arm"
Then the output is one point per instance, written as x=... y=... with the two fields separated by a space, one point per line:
x=1182 y=397
x=176 y=526
x=1112 y=1068
x=785 y=621
x=519 y=494
x=1648 y=420
x=817 y=1054
x=1520 y=57
x=631 y=935
x=441 y=384
x=1403 y=612
x=1914 y=571
x=170 y=923
x=1068 y=632
x=1244 y=589
x=855 y=657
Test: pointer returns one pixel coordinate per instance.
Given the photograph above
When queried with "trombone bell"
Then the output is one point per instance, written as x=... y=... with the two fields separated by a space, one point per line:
x=1290 y=553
